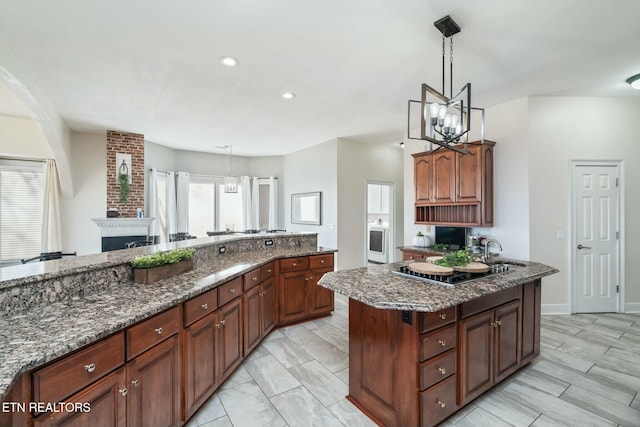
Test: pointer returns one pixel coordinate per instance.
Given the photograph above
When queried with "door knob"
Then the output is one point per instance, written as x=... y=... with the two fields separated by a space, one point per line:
x=583 y=247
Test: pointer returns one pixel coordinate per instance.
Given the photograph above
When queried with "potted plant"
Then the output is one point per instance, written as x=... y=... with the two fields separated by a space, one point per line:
x=421 y=241
x=160 y=265
x=123 y=182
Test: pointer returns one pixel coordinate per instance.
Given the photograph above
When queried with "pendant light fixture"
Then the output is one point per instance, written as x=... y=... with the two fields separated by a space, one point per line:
x=230 y=181
x=445 y=120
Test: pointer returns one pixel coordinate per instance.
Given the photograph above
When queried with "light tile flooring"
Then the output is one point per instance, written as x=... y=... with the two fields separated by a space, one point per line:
x=588 y=375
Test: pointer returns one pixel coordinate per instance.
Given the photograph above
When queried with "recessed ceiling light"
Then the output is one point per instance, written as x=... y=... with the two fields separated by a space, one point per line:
x=228 y=61
x=288 y=95
x=634 y=81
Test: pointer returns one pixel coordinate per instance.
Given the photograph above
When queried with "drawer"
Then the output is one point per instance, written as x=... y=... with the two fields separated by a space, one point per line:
x=72 y=373
x=267 y=270
x=437 y=368
x=229 y=291
x=437 y=342
x=491 y=301
x=151 y=331
x=321 y=261
x=431 y=321
x=198 y=307
x=252 y=278
x=438 y=402
x=294 y=264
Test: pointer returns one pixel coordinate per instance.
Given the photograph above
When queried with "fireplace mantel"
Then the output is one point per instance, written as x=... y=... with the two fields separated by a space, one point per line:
x=115 y=227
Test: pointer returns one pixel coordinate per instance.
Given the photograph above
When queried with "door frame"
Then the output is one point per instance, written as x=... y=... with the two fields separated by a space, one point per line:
x=574 y=164
x=391 y=247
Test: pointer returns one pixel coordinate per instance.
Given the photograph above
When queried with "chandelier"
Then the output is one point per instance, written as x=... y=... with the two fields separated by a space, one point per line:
x=445 y=120
x=230 y=181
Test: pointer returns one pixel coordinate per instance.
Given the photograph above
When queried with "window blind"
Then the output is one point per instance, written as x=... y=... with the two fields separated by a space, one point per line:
x=21 y=208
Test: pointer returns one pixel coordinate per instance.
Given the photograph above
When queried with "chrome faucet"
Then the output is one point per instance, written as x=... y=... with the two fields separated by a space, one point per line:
x=486 y=244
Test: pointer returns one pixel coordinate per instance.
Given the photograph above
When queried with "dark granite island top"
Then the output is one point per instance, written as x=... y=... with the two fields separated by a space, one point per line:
x=35 y=330
x=378 y=287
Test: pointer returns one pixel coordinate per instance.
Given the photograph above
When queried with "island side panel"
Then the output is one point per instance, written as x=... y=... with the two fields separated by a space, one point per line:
x=383 y=364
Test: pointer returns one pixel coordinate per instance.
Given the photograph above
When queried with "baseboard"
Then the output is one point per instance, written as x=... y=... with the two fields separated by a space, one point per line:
x=632 y=307
x=555 y=309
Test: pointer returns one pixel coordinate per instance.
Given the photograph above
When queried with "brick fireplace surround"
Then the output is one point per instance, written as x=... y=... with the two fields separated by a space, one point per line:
x=126 y=143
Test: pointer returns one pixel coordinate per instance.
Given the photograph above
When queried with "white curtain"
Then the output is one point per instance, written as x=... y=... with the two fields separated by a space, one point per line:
x=273 y=203
x=245 y=184
x=255 y=204
x=182 y=205
x=152 y=206
x=172 y=225
x=51 y=238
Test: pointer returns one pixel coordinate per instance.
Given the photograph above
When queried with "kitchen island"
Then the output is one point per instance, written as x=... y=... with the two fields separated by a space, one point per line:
x=418 y=351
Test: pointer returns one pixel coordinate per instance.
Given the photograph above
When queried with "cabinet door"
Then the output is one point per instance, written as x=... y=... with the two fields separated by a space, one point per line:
x=229 y=338
x=423 y=178
x=530 y=321
x=321 y=299
x=268 y=306
x=252 y=318
x=507 y=325
x=293 y=296
x=154 y=386
x=476 y=345
x=444 y=176
x=469 y=184
x=200 y=351
x=107 y=405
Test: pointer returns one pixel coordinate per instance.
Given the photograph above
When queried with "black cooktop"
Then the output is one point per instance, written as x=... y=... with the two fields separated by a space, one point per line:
x=457 y=278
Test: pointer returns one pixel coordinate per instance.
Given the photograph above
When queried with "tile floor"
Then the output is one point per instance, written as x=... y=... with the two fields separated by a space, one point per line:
x=588 y=374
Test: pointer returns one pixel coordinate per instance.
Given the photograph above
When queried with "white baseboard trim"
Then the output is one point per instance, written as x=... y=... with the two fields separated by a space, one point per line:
x=632 y=307
x=555 y=309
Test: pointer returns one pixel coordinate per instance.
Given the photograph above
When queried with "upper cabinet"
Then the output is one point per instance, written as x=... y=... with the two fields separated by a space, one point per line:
x=378 y=199
x=453 y=188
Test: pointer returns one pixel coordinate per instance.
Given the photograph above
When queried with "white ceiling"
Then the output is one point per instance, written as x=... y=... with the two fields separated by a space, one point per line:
x=151 y=66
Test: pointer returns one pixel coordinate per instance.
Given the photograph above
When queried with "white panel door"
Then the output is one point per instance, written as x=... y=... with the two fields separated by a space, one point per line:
x=597 y=250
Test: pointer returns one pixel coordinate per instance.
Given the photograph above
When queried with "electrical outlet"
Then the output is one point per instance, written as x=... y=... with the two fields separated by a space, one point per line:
x=222 y=249
x=268 y=242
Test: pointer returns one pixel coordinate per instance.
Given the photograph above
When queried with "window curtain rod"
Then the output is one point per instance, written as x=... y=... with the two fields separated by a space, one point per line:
x=206 y=176
x=24 y=159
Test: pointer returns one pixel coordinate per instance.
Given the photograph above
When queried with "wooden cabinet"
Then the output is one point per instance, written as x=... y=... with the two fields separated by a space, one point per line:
x=299 y=296
x=408 y=255
x=531 y=294
x=489 y=348
x=259 y=306
x=453 y=188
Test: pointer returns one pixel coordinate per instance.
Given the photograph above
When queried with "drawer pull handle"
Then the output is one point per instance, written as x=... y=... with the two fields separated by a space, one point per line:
x=442 y=370
x=269 y=271
x=159 y=331
x=255 y=279
x=232 y=290
x=442 y=342
x=205 y=306
x=221 y=324
x=135 y=383
x=90 y=367
x=441 y=403
x=124 y=391
x=496 y=324
x=443 y=316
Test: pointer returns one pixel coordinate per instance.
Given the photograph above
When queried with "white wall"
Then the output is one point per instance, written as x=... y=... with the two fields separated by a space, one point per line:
x=357 y=163
x=89 y=171
x=20 y=137
x=314 y=169
x=562 y=129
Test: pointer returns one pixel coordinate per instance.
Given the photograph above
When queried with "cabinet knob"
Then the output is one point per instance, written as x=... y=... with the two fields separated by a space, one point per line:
x=204 y=306
x=306 y=278
x=441 y=403
x=442 y=342
x=269 y=271
x=321 y=261
x=221 y=324
x=443 y=316
x=135 y=383
x=90 y=367
x=124 y=391
x=442 y=370
x=159 y=331
x=295 y=263
x=496 y=323
x=232 y=290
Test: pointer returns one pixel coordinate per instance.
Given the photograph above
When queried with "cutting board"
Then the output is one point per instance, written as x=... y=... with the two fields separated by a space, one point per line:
x=427 y=268
x=473 y=267
x=433 y=259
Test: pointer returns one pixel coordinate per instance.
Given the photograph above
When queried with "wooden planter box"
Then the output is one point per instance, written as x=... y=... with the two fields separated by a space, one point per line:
x=149 y=275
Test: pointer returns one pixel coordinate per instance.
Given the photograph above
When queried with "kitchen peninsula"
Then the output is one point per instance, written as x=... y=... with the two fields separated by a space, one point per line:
x=78 y=331
x=419 y=351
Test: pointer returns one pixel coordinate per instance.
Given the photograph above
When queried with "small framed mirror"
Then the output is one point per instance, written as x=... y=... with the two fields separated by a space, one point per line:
x=306 y=208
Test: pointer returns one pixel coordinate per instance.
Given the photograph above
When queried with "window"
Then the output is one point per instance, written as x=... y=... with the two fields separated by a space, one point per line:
x=230 y=216
x=21 y=208
x=202 y=198
x=161 y=189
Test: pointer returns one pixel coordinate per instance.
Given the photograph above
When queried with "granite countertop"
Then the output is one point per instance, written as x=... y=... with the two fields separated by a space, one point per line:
x=38 y=336
x=378 y=287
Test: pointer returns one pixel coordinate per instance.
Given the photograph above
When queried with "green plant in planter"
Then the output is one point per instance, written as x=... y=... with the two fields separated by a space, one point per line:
x=162 y=258
x=419 y=234
x=123 y=181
